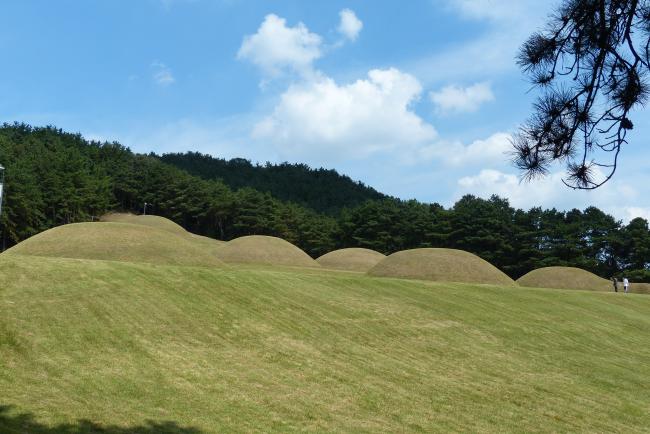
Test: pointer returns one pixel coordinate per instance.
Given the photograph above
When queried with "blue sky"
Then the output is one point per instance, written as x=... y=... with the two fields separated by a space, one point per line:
x=416 y=99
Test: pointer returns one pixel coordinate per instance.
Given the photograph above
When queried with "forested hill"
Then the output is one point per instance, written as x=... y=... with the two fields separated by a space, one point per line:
x=54 y=178
x=323 y=190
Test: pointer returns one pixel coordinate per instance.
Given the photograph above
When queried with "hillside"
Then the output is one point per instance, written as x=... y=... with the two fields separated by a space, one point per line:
x=91 y=345
x=323 y=190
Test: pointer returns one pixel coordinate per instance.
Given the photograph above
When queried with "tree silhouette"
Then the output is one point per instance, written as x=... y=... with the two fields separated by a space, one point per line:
x=24 y=423
x=591 y=62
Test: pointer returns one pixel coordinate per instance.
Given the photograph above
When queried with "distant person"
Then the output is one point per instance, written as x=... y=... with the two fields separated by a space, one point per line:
x=626 y=284
x=615 y=283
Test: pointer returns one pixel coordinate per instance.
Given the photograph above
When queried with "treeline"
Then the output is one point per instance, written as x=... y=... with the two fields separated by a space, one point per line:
x=55 y=178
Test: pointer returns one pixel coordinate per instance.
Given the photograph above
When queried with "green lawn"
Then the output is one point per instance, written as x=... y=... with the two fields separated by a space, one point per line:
x=142 y=348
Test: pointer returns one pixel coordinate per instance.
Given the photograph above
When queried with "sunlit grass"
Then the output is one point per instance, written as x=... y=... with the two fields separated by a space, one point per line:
x=264 y=349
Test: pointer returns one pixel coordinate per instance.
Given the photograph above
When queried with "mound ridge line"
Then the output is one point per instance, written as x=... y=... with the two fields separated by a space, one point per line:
x=351 y=259
x=112 y=241
x=441 y=265
x=264 y=250
x=565 y=278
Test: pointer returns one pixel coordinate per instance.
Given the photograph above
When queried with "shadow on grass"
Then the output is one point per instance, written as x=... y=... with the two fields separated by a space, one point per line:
x=24 y=423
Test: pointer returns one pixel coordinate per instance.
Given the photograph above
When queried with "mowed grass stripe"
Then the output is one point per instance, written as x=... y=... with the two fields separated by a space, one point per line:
x=258 y=349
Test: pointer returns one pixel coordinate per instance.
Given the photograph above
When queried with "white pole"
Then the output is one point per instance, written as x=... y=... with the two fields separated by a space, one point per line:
x=2 y=183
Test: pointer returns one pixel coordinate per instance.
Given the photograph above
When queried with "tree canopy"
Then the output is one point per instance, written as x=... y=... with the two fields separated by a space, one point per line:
x=591 y=63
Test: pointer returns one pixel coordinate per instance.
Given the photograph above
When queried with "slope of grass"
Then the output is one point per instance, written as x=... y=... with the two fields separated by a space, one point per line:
x=133 y=347
x=440 y=265
x=118 y=242
x=566 y=277
x=153 y=221
x=157 y=222
x=264 y=250
x=211 y=245
x=352 y=259
x=638 y=288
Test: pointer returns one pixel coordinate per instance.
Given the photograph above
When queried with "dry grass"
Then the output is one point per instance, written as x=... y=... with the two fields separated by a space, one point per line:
x=353 y=259
x=264 y=250
x=153 y=221
x=565 y=278
x=163 y=223
x=638 y=288
x=117 y=242
x=441 y=265
x=209 y=244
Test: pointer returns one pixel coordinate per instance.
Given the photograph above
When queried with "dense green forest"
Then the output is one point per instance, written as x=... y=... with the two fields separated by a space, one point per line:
x=322 y=190
x=54 y=177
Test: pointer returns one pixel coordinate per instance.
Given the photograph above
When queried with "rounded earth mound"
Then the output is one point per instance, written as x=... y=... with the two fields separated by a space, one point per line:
x=116 y=242
x=565 y=278
x=639 y=288
x=352 y=259
x=265 y=250
x=153 y=221
x=443 y=265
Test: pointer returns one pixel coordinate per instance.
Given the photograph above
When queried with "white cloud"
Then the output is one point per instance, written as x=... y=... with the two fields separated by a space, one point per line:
x=614 y=197
x=350 y=25
x=509 y=23
x=276 y=47
x=523 y=195
x=632 y=212
x=322 y=120
x=494 y=10
x=162 y=74
x=456 y=99
x=482 y=152
x=490 y=56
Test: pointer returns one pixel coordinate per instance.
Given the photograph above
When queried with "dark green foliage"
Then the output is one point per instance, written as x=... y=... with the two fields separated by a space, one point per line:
x=485 y=226
x=635 y=246
x=12 y=422
x=50 y=180
x=55 y=178
x=390 y=225
x=322 y=190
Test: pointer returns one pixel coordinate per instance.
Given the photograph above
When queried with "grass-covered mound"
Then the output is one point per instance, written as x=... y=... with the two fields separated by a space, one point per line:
x=264 y=250
x=638 y=288
x=163 y=223
x=117 y=242
x=566 y=278
x=247 y=349
x=352 y=259
x=210 y=244
x=440 y=265
x=153 y=221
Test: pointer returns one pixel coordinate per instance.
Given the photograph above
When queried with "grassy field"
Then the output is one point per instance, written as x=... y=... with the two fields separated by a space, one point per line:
x=89 y=345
